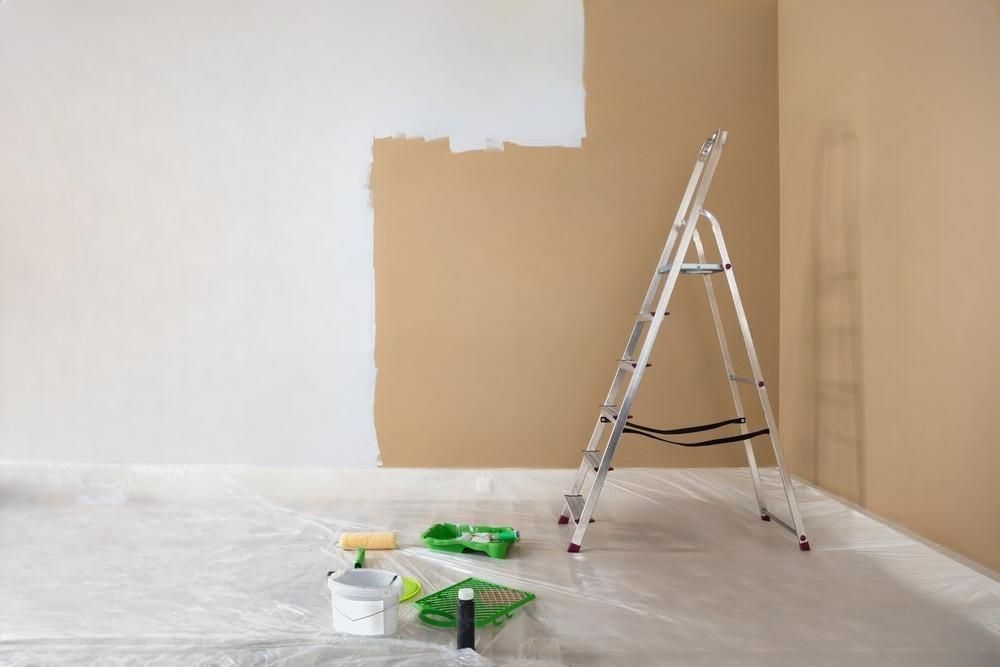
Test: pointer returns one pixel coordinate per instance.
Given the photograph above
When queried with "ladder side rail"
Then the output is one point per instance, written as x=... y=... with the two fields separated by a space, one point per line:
x=637 y=327
x=714 y=152
x=727 y=359
x=675 y=227
x=630 y=392
x=786 y=479
x=654 y=282
x=708 y=149
x=595 y=436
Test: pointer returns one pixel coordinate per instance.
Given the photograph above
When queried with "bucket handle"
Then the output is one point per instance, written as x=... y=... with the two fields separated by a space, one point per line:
x=361 y=618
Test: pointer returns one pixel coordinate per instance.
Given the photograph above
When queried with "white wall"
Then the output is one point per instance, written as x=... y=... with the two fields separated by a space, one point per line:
x=185 y=229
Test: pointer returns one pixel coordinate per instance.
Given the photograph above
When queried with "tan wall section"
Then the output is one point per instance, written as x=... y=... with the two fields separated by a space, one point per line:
x=506 y=281
x=890 y=231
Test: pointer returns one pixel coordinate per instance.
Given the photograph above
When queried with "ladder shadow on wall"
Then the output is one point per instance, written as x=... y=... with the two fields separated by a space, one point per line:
x=835 y=318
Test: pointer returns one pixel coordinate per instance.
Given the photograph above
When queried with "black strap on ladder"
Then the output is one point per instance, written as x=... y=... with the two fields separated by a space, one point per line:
x=639 y=429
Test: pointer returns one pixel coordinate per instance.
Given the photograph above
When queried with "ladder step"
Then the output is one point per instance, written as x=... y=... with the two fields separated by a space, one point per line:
x=593 y=457
x=609 y=413
x=629 y=365
x=575 y=504
x=694 y=269
x=648 y=317
x=737 y=378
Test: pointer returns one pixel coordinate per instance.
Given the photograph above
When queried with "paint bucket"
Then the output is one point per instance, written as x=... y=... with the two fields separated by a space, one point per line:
x=365 y=602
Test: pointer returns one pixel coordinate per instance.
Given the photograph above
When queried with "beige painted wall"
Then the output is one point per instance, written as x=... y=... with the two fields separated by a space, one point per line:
x=890 y=231
x=506 y=281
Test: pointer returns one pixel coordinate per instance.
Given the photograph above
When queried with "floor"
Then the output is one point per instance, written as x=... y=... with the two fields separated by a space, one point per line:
x=210 y=566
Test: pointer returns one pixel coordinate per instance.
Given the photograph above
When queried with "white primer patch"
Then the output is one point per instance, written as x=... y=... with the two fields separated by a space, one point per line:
x=186 y=249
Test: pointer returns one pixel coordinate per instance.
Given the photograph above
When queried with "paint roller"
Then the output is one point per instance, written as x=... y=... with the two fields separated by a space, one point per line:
x=362 y=542
x=370 y=541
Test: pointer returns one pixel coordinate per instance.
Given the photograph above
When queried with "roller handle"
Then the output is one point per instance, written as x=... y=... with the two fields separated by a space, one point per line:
x=508 y=535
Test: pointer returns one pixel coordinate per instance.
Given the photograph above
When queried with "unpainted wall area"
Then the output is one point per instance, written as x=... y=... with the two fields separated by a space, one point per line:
x=890 y=150
x=506 y=282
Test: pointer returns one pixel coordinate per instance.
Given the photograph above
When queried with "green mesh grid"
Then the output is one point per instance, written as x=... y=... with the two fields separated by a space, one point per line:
x=493 y=603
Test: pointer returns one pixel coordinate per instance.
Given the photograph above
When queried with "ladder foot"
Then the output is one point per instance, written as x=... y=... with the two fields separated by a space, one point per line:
x=573 y=548
x=803 y=543
x=764 y=516
x=563 y=519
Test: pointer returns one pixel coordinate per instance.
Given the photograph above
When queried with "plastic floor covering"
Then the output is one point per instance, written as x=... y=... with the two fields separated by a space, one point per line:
x=209 y=566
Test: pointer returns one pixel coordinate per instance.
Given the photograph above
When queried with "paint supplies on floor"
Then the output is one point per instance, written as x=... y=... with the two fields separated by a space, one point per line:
x=493 y=603
x=365 y=602
x=457 y=538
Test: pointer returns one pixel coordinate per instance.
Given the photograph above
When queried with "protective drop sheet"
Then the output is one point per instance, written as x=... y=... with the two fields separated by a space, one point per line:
x=226 y=566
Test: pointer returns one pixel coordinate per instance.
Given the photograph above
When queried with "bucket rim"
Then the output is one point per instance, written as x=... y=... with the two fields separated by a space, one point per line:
x=386 y=582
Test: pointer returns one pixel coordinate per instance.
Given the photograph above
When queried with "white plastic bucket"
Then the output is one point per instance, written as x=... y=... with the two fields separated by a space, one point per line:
x=365 y=602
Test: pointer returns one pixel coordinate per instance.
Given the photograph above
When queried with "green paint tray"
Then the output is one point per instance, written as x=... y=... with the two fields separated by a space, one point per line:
x=448 y=537
x=494 y=603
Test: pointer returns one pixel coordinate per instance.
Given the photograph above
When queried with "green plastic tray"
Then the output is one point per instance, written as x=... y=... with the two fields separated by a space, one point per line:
x=448 y=537
x=493 y=603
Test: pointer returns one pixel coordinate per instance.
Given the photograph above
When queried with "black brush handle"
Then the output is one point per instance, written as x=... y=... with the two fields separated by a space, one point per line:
x=466 y=619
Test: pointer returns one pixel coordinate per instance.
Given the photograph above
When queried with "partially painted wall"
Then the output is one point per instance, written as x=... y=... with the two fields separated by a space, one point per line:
x=185 y=222
x=507 y=282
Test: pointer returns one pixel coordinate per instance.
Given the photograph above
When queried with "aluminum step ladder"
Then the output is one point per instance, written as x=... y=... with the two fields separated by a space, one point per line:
x=646 y=327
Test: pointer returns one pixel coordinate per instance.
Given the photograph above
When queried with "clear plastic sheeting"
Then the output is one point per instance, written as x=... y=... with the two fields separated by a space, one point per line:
x=209 y=566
